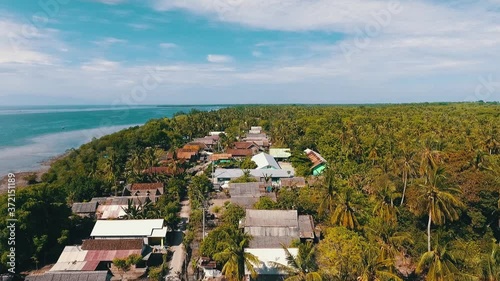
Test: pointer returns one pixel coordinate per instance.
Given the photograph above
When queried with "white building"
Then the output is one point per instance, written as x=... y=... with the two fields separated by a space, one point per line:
x=153 y=232
x=265 y=161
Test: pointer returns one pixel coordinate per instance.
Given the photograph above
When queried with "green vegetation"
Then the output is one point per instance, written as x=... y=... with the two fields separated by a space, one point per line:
x=432 y=170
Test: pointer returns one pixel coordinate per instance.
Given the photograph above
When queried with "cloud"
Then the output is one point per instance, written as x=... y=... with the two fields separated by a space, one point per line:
x=25 y=43
x=139 y=26
x=168 y=45
x=108 y=41
x=100 y=65
x=219 y=58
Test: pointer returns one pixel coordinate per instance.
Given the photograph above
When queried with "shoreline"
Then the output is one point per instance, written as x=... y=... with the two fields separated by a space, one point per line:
x=21 y=182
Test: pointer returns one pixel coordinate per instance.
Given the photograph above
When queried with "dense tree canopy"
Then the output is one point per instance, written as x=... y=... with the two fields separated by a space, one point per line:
x=432 y=170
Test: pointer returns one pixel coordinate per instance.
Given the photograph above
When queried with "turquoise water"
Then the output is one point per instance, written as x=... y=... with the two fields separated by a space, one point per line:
x=30 y=135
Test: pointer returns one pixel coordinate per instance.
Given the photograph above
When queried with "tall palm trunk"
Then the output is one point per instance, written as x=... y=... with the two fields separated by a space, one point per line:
x=405 y=181
x=429 y=231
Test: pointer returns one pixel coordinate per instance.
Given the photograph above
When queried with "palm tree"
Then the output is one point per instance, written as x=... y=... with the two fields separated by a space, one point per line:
x=136 y=161
x=345 y=211
x=440 y=265
x=327 y=205
x=390 y=241
x=440 y=201
x=237 y=260
x=111 y=170
x=491 y=264
x=429 y=160
x=384 y=200
x=408 y=168
x=375 y=268
x=301 y=267
x=151 y=157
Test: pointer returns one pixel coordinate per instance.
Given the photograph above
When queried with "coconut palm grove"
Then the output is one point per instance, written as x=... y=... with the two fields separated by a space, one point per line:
x=408 y=192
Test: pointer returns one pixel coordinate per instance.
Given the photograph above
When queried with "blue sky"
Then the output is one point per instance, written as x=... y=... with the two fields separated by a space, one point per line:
x=248 y=51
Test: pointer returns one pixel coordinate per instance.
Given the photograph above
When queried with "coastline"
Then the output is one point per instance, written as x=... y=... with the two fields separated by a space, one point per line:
x=21 y=182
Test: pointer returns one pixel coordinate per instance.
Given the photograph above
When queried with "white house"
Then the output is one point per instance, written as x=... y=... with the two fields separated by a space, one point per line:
x=268 y=259
x=153 y=232
x=265 y=161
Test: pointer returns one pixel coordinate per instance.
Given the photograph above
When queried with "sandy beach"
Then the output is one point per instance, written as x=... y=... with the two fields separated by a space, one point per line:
x=21 y=182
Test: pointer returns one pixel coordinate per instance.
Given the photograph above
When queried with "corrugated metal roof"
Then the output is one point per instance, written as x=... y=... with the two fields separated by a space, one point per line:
x=271 y=242
x=146 y=186
x=306 y=227
x=72 y=258
x=315 y=157
x=126 y=228
x=280 y=152
x=273 y=218
x=85 y=207
x=236 y=173
x=268 y=256
x=243 y=144
x=294 y=182
x=220 y=156
x=245 y=202
x=65 y=276
x=112 y=244
x=239 y=152
x=265 y=161
x=247 y=189
x=111 y=211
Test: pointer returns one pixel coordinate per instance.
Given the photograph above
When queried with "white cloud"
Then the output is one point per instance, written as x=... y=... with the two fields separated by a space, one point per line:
x=219 y=58
x=427 y=51
x=25 y=43
x=100 y=65
x=139 y=26
x=108 y=41
x=168 y=45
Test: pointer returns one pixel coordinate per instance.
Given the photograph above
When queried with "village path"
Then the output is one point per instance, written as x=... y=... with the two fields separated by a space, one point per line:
x=177 y=246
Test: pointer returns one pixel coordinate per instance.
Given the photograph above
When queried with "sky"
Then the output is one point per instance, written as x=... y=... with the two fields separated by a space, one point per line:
x=132 y=52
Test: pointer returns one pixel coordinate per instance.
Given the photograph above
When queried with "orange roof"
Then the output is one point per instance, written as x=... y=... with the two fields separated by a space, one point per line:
x=220 y=156
x=186 y=154
x=243 y=144
x=240 y=152
x=146 y=186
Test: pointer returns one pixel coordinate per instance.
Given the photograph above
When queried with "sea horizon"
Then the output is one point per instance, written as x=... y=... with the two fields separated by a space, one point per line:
x=32 y=135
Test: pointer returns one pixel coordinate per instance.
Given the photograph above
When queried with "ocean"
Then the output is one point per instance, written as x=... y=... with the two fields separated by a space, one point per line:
x=30 y=135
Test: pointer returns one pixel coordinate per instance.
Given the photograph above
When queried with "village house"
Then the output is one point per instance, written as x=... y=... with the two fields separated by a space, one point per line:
x=102 y=275
x=98 y=254
x=257 y=136
x=218 y=158
x=267 y=270
x=85 y=209
x=144 y=189
x=152 y=231
x=114 y=207
x=280 y=154
x=274 y=228
x=248 y=193
x=209 y=141
x=246 y=145
x=239 y=153
x=271 y=175
x=209 y=267
x=265 y=161
x=318 y=162
x=293 y=182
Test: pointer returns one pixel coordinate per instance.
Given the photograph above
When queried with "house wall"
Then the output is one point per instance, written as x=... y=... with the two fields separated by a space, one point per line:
x=272 y=231
x=319 y=169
